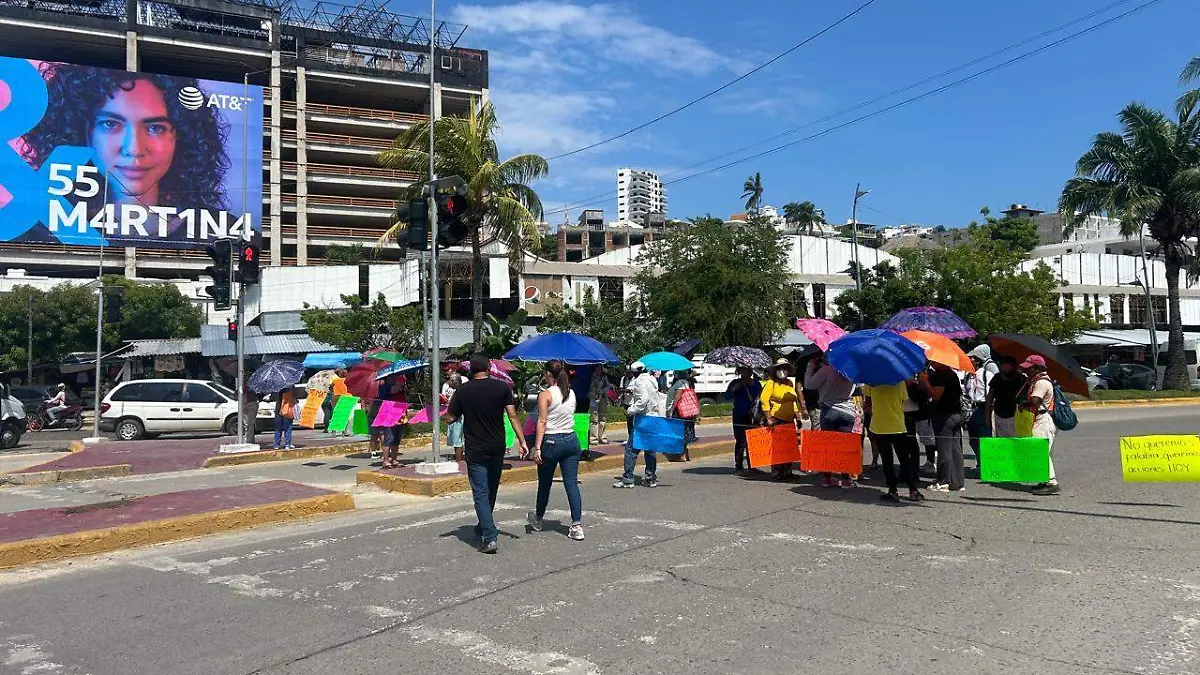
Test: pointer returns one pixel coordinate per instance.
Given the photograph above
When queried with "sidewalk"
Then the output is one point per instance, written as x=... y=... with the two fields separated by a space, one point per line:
x=40 y=535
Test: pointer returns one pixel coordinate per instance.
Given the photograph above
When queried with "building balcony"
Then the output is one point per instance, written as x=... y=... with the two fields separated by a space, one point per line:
x=352 y=179
x=350 y=207
x=322 y=116
x=350 y=148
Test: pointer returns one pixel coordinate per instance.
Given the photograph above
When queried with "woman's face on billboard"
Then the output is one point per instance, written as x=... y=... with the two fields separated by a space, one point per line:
x=134 y=138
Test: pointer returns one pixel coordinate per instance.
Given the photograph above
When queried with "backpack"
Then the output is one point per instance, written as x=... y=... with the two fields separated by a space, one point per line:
x=1064 y=418
x=687 y=405
x=965 y=402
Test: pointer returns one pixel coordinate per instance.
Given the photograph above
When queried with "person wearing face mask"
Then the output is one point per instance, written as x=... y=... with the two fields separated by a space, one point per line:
x=780 y=404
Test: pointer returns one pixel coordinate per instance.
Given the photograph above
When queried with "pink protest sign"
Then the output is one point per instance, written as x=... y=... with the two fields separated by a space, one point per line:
x=390 y=413
x=423 y=415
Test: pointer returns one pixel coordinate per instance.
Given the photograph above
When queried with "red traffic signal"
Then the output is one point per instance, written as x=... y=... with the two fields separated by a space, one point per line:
x=232 y=330
x=248 y=269
x=454 y=205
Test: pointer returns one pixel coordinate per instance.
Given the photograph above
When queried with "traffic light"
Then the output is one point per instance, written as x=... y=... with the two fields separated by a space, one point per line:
x=221 y=271
x=248 y=270
x=451 y=229
x=114 y=300
x=418 y=224
x=231 y=328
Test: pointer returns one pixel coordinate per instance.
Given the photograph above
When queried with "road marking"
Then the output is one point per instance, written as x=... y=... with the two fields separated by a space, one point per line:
x=481 y=648
x=30 y=657
x=828 y=543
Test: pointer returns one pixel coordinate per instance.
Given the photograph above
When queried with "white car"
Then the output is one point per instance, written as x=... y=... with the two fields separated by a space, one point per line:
x=141 y=408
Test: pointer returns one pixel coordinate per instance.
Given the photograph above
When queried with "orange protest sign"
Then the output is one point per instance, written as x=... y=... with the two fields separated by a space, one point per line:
x=831 y=451
x=312 y=404
x=768 y=446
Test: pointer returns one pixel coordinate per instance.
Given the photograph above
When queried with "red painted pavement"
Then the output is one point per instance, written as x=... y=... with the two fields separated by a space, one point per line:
x=158 y=455
x=39 y=523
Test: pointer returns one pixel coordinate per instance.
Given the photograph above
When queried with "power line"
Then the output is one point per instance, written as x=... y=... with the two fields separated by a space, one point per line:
x=721 y=88
x=887 y=109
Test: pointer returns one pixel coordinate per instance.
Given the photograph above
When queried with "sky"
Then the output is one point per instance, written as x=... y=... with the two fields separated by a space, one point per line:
x=567 y=74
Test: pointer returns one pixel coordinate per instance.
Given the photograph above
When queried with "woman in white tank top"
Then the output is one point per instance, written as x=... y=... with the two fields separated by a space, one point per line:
x=557 y=445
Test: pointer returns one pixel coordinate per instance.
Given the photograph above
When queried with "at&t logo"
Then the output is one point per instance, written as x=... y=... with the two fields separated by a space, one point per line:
x=193 y=99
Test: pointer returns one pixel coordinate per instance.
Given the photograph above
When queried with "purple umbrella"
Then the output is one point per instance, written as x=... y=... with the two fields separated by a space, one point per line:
x=930 y=320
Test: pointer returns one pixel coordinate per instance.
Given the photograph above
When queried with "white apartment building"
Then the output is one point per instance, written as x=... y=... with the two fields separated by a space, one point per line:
x=639 y=193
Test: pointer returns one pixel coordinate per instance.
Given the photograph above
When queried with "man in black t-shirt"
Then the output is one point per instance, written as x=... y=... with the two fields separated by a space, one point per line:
x=483 y=403
x=946 y=391
x=1002 y=396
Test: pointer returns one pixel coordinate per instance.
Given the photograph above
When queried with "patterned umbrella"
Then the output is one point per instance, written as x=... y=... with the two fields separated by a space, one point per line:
x=383 y=355
x=738 y=357
x=275 y=376
x=930 y=320
x=321 y=381
x=820 y=331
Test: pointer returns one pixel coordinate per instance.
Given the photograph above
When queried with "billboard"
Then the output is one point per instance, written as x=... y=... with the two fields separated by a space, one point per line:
x=93 y=156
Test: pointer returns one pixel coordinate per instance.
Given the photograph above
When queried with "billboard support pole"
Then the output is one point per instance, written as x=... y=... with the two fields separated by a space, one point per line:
x=96 y=437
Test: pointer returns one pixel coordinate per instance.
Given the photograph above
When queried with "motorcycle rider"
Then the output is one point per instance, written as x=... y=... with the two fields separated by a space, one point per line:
x=58 y=404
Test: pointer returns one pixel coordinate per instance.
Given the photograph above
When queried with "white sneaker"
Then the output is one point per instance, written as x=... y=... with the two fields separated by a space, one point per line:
x=960 y=489
x=533 y=522
x=576 y=532
x=939 y=487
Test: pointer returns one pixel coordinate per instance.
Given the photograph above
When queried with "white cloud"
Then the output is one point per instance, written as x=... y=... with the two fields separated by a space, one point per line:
x=549 y=122
x=613 y=33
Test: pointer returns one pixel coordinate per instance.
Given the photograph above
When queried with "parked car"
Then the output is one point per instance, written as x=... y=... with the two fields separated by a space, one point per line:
x=1128 y=376
x=141 y=408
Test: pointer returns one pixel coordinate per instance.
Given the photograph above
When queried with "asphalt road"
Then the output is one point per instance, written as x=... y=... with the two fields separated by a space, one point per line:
x=706 y=574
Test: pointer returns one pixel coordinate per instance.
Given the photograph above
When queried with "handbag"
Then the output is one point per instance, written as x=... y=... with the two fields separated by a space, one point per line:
x=687 y=405
x=1023 y=424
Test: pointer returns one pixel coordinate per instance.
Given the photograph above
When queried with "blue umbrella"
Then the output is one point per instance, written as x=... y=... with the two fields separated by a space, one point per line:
x=573 y=348
x=276 y=376
x=325 y=360
x=875 y=356
x=666 y=361
x=400 y=367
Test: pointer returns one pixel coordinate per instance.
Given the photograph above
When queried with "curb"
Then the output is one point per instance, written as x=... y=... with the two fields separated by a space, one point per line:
x=66 y=475
x=241 y=458
x=91 y=542
x=1182 y=400
x=432 y=487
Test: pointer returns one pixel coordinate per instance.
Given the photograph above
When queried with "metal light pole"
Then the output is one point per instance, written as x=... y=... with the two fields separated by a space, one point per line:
x=858 y=194
x=434 y=319
x=96 y=437
x=29 y=346
x=1149 y=303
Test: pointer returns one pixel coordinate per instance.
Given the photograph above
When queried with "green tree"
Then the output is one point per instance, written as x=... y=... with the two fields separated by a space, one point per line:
x=503 y=207
x=752 y=192
x=502 y=336
x=1019 y=233
x=979 y=280
x=723 y=286
x=610 y=323
x=1147 y=176
x=64 y=321
x=351 y=254
x=803 y=217
x=151 y=311
x=360 y=326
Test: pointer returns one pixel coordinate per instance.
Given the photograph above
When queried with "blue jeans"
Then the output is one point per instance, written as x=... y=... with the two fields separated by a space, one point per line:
x=833 y=419
x=283 y=431
x=560 y=450
x=484 y=477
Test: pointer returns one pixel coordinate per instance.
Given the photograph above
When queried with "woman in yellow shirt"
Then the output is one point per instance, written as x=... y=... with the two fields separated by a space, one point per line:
x=780 y=405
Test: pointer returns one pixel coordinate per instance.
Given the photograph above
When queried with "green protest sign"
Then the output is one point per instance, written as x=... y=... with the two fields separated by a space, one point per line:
x=360 y=423
x=583 y=422
x=510 y=437
x=1014 y=460
x=340 y=419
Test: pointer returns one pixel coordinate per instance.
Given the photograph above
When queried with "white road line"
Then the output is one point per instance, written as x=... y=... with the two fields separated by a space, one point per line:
x=481 y=648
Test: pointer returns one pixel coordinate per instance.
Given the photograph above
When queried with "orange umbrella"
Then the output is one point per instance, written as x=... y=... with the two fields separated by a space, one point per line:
x=941 y=349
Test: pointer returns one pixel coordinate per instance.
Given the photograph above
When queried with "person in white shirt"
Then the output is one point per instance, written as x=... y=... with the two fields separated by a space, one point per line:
x=643 y=395
x=57 y=404
x=838 y=412
x=977 y=386
x=556 y=445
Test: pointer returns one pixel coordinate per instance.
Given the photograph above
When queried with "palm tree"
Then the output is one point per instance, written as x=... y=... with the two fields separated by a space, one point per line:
x=1190 y=72
x=502 y=205
x=752 y=191
x=804 y=217
x=1147 y=176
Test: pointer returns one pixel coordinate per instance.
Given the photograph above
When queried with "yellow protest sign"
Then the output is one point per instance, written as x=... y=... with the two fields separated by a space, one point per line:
x=1160 y=459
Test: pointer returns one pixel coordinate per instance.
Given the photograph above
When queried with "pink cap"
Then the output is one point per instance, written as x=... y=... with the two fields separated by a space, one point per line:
x=1034 y=360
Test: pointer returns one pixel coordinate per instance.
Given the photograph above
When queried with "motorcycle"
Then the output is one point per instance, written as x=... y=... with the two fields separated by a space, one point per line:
x=71 y=418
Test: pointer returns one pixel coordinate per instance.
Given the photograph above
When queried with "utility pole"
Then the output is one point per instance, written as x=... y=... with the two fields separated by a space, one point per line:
x=29 y=346
x=96 y=437
x=435 y=404
x=1149 y=303
x=858 y=194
